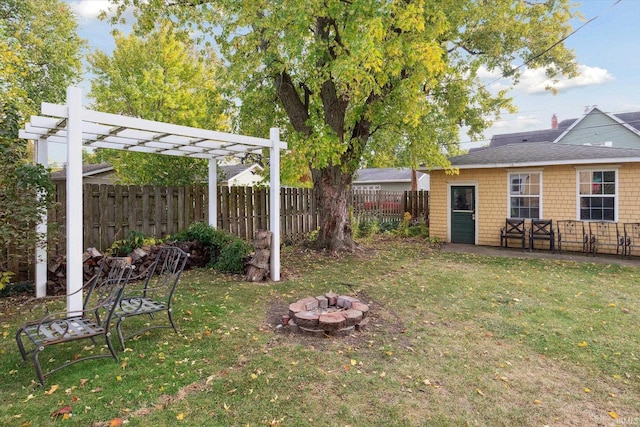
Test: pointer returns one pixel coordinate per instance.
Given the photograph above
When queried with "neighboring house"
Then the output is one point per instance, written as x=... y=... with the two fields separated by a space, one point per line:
x=593 y=128
x=533 y=180
x=101 y=173
x=388 y=179
x=228 y=175
x=240 y=175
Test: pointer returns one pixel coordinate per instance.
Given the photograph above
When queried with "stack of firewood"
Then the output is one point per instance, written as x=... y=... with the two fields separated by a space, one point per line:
x=142 y=258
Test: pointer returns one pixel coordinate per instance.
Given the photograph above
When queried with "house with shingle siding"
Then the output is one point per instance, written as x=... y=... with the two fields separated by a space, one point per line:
x=543 y=180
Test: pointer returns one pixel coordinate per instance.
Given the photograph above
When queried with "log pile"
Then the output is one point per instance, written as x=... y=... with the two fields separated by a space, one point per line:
x=258 y=266
x=142 y=258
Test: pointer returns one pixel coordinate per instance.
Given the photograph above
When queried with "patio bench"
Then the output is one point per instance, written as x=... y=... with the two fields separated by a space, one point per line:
x=103 y=292
x=572 y=232
x=631 y=237
x=155 y=295
x=605 y=234
x=514 y=228
x=541 y=229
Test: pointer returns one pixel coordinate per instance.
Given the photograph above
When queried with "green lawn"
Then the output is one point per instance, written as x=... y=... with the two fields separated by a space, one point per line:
x=454 y=339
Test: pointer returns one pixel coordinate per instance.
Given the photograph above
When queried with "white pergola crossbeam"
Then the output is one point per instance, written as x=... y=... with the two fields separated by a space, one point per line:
x=76 y=127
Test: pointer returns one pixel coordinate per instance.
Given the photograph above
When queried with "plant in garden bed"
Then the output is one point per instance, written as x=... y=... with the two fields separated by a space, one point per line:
x=227 y=253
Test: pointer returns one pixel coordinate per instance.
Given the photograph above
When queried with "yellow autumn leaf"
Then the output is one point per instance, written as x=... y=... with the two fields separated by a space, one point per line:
x=52 y=390
x=180 y=416
x=613 y=415
x=118 y=378
x=537 y=402
x=587 y=390
x=479 y=392
x=353 y=362
x=582 y=344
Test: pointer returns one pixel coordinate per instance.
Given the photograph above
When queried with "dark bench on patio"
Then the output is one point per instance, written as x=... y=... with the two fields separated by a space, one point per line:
x=514 y=228
x=541 y=229
x=603 y=234
x=572 y=232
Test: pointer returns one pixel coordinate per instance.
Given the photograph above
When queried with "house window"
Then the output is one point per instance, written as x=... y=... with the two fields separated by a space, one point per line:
x=524 y=195
x=597 y=195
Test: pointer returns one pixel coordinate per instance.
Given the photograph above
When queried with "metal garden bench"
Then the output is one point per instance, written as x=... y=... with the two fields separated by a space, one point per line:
x=155 y=295
x=631 y=237
x=513 y=229
x=605 y=234
x=103 y=293
x=572 y=232
x=542 y=229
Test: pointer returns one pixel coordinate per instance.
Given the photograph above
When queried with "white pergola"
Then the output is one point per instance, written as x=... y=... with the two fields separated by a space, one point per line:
x=77 y=127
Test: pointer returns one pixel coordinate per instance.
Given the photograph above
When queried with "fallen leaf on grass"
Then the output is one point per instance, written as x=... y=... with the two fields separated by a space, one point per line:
x=116 y=422
x=479 y=392
x=64 y=412
x=180 y=416
x=52 y=390
x=613 y=415
x=582 y=344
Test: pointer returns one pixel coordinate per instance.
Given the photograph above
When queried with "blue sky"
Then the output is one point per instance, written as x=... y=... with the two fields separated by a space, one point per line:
x=606 y=50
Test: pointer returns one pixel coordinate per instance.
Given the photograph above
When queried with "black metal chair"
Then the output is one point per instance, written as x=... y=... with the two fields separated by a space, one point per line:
x=572 y=232
x=542 y=229
x=103 y=293
x=514 y=228
x=604 y=234
x=631 y=237
x=157 y=293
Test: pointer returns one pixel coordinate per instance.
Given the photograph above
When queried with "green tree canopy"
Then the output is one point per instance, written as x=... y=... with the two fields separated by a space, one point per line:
x=40 y=55
x=345 y=78
x=159 y=77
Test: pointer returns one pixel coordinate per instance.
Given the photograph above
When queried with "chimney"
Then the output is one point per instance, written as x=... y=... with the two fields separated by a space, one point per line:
x=554 y=122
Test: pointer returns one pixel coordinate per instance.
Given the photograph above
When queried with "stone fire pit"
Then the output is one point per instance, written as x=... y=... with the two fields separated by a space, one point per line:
x=329 y=314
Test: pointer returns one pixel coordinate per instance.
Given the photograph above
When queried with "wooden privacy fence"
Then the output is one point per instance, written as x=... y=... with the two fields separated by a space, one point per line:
x=387 y=206
x=112 y=211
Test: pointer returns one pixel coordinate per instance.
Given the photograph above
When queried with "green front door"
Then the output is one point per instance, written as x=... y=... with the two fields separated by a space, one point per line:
x=463 y=214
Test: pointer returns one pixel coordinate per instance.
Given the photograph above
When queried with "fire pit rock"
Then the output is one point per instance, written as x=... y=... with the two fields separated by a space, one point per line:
x=328 y=314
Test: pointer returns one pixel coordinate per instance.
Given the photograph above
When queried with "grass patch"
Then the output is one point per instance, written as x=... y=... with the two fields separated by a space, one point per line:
x=454 y=339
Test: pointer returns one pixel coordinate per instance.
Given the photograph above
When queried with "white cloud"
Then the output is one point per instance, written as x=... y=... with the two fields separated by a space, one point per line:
x=88 y=9
x=535 y=82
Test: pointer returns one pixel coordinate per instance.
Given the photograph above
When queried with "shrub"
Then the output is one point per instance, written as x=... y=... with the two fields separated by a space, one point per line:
x=134 y=240
x=389 y=226
x=233 y=257
x=364 y=227
x=228 y=253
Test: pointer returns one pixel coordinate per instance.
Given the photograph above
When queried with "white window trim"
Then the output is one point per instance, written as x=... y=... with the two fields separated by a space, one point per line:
x=522 y=172
x=616 y=198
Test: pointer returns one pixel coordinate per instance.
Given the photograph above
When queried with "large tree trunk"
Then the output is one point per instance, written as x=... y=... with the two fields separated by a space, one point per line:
x=332 y=193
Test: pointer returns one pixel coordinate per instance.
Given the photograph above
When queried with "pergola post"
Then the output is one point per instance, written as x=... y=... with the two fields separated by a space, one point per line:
x=74 y=200
x=274 y=202
x=42 y=158
x=213 y=193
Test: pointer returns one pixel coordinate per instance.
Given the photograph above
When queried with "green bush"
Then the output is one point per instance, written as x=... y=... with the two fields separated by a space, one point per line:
x=233 y=257
x=389 y=226
x=134 y=240
x=228 y=253
x=364 y=227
